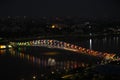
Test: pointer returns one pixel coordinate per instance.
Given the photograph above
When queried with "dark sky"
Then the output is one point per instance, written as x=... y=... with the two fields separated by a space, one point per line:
x=82 y=8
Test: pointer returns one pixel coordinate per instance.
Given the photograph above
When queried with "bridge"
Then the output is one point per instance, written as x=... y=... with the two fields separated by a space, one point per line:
x=65 y=46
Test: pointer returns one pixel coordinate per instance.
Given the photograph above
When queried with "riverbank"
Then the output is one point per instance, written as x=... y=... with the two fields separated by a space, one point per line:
x=74 y=36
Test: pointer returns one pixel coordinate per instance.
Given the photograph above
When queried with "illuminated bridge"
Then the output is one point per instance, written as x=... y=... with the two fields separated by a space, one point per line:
x=65 y=46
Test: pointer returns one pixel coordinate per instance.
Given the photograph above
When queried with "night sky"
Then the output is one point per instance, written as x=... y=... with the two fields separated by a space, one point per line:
x=82 y=8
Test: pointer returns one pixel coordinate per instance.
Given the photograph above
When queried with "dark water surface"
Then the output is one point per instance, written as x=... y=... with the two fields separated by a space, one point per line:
x=29 y=63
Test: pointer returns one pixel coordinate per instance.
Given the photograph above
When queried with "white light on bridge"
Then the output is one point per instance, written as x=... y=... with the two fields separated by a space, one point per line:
x=9 y=46
x=53 y=26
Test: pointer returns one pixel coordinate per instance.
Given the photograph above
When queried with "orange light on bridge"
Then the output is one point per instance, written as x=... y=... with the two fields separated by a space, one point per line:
x=2 y=46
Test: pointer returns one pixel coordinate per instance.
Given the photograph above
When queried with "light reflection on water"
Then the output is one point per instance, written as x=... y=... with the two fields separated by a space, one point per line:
x=50 y=63
x=104 y=44
x=45 y=62
x=2 y=51
x=90 y=43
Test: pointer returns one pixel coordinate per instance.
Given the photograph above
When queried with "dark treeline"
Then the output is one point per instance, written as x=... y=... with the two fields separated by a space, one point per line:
x=22 y=26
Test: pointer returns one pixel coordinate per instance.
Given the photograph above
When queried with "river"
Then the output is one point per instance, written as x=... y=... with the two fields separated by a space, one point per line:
x=41 y=63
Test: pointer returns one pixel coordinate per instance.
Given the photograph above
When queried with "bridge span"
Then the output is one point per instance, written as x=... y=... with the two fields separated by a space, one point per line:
x=66 y=46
